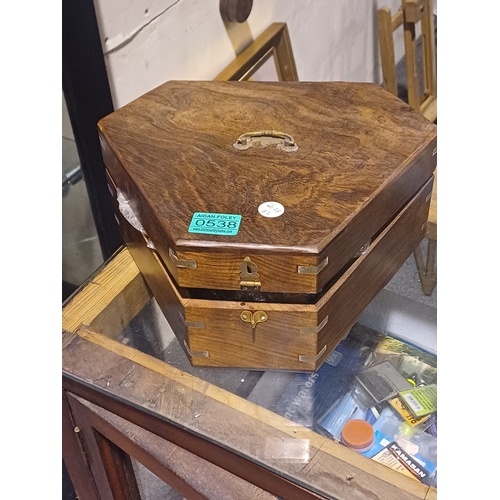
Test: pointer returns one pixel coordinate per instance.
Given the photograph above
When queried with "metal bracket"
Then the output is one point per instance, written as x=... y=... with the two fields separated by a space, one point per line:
x=202 y=354
x=312 y=269
x=191 y=324
x=195 y=324
x=312 y=359
x=313 y=329
x=181 y=262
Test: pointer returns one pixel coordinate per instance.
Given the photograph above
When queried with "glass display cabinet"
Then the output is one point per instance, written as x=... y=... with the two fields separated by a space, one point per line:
x=140 y=422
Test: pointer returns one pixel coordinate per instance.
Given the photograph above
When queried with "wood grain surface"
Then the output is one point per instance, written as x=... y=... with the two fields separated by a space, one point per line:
x=174 y=156
x=275 y=344
x=110 y=299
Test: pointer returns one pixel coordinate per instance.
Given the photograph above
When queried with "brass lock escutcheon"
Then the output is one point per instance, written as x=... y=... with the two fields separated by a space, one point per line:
x=253 y=318
x=264 y=138
x=249 y=276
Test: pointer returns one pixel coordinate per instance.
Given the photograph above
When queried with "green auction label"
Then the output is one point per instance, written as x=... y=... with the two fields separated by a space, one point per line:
x=208 y=223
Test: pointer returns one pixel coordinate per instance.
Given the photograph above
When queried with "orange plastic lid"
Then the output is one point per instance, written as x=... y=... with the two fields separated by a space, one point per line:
x=358 y=435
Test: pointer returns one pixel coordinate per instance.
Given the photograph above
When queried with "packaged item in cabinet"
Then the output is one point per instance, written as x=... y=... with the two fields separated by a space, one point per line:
x=380 y=382
x=311 y=396
x=389 y=422
x=380 y=441
x=392 y=455
x=358 y=435
x=420 y=401
x=411 y=362
x=433 y=429
x=348 y=408
x=417 y=442
x=371 y=385
x=417 y=422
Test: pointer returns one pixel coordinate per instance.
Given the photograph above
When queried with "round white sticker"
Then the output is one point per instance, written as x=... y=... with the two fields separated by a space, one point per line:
x=271 y=209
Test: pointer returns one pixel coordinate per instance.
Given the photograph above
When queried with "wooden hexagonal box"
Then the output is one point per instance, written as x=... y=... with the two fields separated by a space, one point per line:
x=266 y=216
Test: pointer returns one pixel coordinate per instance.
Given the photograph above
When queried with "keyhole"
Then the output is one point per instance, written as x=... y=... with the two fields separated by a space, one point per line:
x=249 y=269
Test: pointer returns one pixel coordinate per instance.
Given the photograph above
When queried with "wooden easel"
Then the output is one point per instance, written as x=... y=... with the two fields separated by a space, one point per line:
x=410 y=13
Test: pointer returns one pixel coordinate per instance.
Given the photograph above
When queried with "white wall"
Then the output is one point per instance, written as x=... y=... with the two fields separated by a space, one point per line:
x=148 y=42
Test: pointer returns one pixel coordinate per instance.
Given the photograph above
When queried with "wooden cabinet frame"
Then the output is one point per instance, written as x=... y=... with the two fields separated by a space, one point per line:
x=101 y=465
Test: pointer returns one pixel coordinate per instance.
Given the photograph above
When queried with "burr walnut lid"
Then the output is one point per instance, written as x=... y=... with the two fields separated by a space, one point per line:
x=281 y=183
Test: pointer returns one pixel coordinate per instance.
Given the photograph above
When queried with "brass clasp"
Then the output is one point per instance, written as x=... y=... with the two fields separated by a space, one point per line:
x=253 y=319
x=249 y=276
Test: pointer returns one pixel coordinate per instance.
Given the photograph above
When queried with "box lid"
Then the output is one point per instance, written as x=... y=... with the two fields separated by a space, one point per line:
x=275 y=184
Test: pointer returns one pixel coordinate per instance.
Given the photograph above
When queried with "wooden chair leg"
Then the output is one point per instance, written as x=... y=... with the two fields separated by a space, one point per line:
x=427 y=270
x=386 y=42
x=411 y=66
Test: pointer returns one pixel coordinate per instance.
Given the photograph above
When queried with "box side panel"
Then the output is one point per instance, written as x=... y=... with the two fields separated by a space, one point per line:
x=279 y=342
x=163 y=289
x=221 y=271
x=136 y=201
x=347 y=299
x=379 y=210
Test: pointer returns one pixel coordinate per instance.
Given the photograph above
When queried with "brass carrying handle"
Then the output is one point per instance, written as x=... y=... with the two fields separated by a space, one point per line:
x=264 y=138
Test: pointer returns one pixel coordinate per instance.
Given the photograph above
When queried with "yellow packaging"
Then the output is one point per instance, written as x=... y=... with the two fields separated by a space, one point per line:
x=408 y=417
